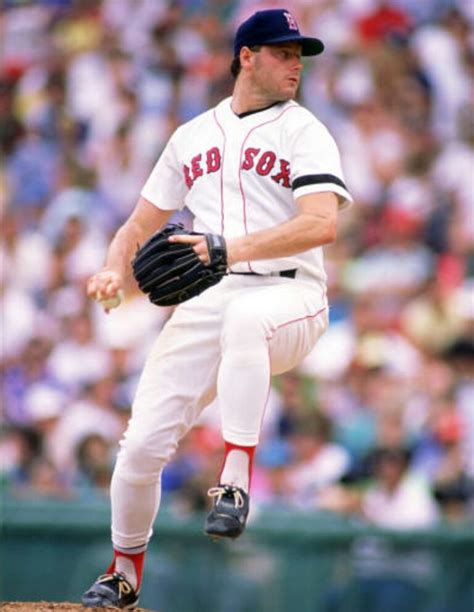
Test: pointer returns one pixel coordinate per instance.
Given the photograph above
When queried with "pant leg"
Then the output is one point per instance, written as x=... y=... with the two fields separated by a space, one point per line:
x=177 y=382
x=266 y=330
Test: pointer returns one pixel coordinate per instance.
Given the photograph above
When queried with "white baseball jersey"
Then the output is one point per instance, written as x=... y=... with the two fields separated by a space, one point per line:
x=241 y=174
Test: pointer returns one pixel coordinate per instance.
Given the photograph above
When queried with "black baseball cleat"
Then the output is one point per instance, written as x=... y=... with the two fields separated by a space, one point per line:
x=228 y=517
x=111 y=590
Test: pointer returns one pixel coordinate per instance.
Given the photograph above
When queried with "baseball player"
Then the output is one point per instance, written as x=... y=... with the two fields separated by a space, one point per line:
x=264 y=173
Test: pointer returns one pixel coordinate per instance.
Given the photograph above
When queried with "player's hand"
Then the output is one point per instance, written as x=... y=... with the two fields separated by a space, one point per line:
x=106 y=287
x=199 y=244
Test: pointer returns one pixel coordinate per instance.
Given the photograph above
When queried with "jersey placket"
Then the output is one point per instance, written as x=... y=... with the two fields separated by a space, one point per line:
x=235 y=202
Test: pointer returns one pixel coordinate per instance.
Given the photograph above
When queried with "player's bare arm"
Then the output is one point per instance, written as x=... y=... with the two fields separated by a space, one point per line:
x=315 y=225
x=113 y=277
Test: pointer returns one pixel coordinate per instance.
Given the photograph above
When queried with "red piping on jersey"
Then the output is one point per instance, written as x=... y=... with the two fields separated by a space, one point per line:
x=222 y=171
x=244 y=201
x=275 y=329
x=268 y=338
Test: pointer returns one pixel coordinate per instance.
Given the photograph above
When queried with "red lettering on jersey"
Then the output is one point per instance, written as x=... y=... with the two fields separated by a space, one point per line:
x=266 y=163
x=196 y=166
x=187 y=176
x=249 y=155
x=213 y=160
x=283 y=176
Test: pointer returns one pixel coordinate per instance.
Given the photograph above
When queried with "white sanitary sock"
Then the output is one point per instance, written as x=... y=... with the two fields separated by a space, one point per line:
x=126 y=567
x=236 y=469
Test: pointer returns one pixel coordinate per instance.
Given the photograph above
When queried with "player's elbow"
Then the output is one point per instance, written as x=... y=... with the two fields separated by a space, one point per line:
x=324 y=230
x=330 y=230
x=320 y=212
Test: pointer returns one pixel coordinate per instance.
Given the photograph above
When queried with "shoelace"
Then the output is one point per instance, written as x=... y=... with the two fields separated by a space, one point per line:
x=219 y=492
x=124 y=587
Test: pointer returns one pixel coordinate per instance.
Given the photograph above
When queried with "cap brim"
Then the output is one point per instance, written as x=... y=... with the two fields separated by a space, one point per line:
x=309 y=46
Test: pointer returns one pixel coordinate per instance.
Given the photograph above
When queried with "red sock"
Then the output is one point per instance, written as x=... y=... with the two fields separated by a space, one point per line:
x=249 y=450
x=136 y=558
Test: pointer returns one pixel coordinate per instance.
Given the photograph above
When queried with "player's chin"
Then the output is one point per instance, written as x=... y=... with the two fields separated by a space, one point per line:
x=290 y=89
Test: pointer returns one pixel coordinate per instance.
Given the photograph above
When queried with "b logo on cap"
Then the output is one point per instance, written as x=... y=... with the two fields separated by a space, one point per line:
x=291 y=21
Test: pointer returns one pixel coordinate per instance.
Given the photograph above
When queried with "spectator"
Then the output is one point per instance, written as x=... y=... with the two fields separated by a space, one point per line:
x=433 y=320
x=79 y=360
x=94 y=412
x=317 y=461
x=396 y=498
x=94 y=465
x=22 y=374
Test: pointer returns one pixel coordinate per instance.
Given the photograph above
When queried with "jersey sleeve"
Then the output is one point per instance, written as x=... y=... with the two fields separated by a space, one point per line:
x=165 y=187
x=315 y=163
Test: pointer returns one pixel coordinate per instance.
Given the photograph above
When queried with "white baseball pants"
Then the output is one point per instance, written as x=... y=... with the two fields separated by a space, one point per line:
x=228 y=340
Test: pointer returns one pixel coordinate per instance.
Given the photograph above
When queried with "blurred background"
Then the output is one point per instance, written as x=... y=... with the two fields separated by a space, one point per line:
x=363 y=494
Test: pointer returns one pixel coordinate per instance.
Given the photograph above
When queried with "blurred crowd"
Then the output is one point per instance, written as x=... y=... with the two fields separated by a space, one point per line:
x=378 y=421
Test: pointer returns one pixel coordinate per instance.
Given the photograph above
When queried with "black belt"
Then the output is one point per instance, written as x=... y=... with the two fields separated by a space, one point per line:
x=284 y=273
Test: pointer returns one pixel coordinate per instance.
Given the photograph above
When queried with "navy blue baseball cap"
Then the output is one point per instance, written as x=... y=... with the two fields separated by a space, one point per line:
x=271 y=27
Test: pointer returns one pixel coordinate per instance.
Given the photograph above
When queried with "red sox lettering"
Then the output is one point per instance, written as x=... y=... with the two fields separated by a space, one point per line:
x=211 y=161
x=265 y=163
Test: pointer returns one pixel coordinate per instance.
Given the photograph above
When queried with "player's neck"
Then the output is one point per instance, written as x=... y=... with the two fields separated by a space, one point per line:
x=245 y=101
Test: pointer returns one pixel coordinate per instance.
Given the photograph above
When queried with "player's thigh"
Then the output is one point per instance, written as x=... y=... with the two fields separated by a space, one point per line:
x=179 y=377
x=293 y=340
x=299 y=317
x=288 y=317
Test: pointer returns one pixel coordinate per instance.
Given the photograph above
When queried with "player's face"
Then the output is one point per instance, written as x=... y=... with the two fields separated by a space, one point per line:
x=277 y=71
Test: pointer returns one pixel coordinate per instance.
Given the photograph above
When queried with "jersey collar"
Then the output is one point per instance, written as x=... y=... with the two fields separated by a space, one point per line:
x=258 y=110
x=251 y=117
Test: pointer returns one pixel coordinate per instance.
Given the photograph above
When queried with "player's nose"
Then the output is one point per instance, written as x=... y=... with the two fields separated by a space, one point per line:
x=298 y=64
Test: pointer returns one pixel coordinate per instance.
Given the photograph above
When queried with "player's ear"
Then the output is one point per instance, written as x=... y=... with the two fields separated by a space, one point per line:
x=245 y=57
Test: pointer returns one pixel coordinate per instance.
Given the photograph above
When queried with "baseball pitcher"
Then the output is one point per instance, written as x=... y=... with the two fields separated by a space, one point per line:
x=262 y=177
